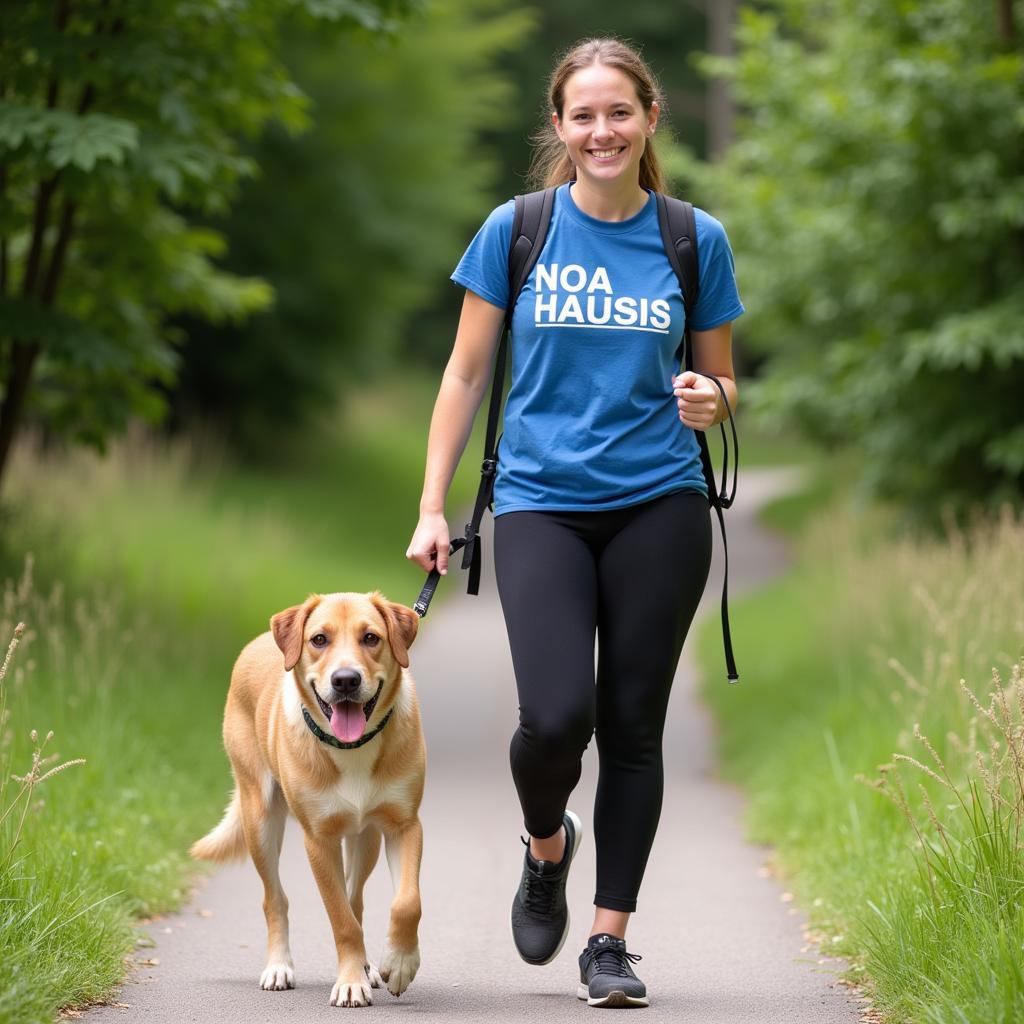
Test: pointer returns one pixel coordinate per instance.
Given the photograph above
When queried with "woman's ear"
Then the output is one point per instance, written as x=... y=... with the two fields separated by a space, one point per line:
x=558 y=124
x=652 y=118
x=288 y=627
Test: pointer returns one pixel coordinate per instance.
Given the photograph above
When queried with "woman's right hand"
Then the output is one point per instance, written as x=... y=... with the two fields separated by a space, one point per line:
x=430 y=543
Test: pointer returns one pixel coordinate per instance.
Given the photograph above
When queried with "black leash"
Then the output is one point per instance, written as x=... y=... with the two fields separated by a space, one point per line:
x=721 y=500
x=427 y=593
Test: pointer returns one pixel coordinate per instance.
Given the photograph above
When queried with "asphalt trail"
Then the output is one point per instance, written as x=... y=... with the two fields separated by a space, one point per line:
x=720 y=940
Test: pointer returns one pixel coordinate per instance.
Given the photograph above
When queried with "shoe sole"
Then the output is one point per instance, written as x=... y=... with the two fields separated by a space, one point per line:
x=616 y=999
x=577 y=826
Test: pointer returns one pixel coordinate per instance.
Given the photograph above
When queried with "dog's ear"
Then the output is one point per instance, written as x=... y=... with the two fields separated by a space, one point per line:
x=288 y=627
x=402 y=624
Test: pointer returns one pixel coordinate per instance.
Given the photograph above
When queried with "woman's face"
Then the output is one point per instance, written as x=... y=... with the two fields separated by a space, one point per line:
x=603 y=125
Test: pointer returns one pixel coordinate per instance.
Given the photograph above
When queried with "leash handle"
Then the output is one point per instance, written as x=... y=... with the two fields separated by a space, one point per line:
x=433 y=577
x=727 y=496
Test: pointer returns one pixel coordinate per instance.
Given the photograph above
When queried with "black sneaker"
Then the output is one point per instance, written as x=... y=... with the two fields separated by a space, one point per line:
x=606 y=979
x=540 y=917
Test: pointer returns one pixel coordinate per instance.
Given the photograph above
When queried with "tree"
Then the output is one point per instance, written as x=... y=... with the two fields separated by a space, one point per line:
x=358 y=223
x=875 y=199
x=116 y=118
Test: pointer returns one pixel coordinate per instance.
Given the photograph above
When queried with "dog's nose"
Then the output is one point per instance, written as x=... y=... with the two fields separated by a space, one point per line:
x=345 y=682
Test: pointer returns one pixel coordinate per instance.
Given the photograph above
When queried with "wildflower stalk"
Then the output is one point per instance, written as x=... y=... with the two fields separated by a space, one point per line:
x=38 y=773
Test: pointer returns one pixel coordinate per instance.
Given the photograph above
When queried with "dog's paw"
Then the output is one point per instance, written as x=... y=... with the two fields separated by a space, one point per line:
x=351 y=993
x=373 y=975
x=398 y=968
x=277 y=976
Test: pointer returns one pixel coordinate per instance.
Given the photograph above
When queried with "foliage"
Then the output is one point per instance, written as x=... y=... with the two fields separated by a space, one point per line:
x=358 y=223
x=115 y=118
x=875 y=199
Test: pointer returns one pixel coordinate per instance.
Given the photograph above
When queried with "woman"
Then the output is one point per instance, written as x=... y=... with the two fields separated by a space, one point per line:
x=601 y=513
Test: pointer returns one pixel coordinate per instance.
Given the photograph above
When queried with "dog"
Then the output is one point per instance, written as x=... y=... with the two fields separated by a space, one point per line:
x=322 y=720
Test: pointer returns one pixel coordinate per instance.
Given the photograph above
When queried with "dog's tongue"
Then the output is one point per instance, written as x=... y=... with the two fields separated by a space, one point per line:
x=348 y=722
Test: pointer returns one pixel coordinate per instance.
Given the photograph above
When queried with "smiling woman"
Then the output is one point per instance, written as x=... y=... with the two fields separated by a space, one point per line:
x=600 y=502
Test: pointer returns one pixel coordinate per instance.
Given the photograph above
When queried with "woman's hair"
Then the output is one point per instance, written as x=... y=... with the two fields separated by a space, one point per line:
x=551 y=164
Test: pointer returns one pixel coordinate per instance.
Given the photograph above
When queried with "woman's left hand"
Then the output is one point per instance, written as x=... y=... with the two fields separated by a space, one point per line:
x=697 y=399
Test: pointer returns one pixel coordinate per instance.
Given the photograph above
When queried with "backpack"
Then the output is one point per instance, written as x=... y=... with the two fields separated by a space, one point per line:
x=529 y=230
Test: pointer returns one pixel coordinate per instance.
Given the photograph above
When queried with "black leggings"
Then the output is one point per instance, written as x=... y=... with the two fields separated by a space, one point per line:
x=634 y=575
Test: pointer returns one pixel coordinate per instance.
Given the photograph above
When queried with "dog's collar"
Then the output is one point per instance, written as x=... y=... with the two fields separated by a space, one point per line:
x=333 y=741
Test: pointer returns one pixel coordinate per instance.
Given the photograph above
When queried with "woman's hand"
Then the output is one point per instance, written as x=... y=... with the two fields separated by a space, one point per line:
x=430 y=543
x=697 y=398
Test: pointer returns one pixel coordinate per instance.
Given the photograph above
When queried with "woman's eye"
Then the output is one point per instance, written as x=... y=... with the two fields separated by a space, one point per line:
x=319 y=640
x=371 y=639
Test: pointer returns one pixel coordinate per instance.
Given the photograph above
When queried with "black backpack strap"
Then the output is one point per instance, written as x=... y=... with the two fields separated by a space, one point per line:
x=678 y=225
x=529 y=232
x=679 y=236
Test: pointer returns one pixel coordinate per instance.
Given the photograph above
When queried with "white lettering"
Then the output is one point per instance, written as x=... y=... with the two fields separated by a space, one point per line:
x=606 y=311
x=600 y=280
x=545 y=304
x=661 y=315
x=625 y=311
x=547 y=278
x=581 y=277
x=571 y=311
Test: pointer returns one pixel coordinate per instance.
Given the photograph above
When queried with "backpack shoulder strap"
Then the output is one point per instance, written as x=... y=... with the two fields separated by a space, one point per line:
x=679 y=236
x=529 y=231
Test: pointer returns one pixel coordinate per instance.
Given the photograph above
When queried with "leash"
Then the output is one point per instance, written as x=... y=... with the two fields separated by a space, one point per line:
x=427 y=593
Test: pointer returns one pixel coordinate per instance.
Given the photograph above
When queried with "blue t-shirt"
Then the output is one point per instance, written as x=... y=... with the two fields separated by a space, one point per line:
x=591 y=421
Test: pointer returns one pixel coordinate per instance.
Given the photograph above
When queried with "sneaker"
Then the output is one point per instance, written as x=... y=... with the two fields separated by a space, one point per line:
x=606 y=978
x=540 y=917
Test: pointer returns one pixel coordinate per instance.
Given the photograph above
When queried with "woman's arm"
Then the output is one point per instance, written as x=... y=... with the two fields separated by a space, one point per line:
x=463 y=386
x=700 y=405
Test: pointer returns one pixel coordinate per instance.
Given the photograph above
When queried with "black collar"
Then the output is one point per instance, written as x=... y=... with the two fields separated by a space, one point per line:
x=333 y=741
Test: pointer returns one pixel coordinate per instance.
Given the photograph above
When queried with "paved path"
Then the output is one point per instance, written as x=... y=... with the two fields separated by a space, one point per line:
x=721 y=944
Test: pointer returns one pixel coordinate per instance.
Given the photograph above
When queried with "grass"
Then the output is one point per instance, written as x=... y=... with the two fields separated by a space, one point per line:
x=892 y=795
x=87 y=850
x=151 y=569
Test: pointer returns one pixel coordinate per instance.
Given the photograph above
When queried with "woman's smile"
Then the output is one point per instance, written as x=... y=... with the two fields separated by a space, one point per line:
x=605 y=155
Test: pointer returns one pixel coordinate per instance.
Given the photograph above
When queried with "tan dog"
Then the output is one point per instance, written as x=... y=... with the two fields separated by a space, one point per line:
x=344 y=673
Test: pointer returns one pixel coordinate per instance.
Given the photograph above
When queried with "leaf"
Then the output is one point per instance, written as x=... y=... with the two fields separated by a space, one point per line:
x=20 y=123
x=82 y=141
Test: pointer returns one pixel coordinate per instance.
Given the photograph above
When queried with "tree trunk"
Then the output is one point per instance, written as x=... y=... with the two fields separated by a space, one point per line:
x=721 y=110
x=1005 y=20
x=36 y=281
x=23 y=357
x=24 y=353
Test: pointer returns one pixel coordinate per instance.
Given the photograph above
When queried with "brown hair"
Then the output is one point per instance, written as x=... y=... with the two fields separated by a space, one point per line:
x=551 y=164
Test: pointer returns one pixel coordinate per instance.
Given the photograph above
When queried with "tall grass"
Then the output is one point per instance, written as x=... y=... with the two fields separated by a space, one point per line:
x=51 y=918
x=152 y=567
x=894 y=662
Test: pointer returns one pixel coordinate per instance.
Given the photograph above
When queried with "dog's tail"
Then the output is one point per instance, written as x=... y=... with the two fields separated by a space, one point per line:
x=227 y=840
